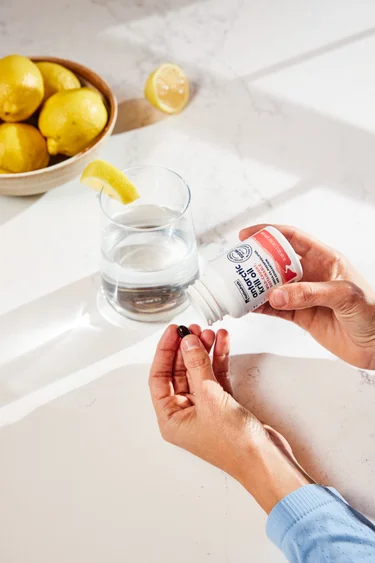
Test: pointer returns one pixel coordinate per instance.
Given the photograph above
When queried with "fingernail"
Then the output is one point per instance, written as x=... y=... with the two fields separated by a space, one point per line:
x=190 y=342
x=279 y=298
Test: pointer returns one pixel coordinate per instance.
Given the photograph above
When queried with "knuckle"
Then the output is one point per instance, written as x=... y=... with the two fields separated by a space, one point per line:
x=352 y=290
x=339 y=264
x=223 y=377
x=306 y=293
x=198 y=361
x=352 y=296
x=338 y=259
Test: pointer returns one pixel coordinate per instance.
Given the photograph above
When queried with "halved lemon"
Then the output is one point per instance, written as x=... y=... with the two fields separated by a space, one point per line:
x=167 y=88
x=101 y=175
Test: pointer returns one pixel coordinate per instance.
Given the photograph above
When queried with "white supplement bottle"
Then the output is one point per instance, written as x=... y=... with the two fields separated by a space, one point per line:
x=240 y=280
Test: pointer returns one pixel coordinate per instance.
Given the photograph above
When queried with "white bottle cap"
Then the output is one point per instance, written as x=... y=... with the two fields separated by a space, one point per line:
x=204 y=302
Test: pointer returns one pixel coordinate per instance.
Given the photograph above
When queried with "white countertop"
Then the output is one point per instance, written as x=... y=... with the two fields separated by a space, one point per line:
x=281 y=128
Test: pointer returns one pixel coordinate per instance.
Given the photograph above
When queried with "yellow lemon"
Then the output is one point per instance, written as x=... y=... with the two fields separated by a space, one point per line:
x=56 y=78
x=71 y=119
x=22 y=148
x=167 y=88
x=21 y=88
x=100 y=175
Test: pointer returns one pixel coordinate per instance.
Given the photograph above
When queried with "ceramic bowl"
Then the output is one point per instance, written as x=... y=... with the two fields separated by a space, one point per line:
x=62 y=169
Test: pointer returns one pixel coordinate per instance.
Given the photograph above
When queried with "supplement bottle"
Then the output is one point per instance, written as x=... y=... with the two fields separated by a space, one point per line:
x=240 y=280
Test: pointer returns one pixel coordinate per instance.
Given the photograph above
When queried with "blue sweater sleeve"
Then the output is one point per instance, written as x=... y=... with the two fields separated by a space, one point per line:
x=316 y=525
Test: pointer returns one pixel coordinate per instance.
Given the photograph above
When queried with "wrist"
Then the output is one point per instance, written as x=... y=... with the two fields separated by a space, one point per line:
x=269 y=473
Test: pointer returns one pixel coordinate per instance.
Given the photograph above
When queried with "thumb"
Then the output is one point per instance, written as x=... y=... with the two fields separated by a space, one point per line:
x=196 y=360
x=342 y=296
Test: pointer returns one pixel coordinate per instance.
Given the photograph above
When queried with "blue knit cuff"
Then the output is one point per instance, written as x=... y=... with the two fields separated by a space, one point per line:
x=294 y=507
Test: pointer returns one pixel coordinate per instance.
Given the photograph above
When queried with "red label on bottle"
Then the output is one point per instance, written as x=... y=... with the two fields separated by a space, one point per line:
x=274 y=248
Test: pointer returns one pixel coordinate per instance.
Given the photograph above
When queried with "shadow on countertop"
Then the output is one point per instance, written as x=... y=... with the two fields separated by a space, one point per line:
x=59 y=334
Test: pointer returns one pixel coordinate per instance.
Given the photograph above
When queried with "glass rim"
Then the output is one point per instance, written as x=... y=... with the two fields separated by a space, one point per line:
x=168 y=223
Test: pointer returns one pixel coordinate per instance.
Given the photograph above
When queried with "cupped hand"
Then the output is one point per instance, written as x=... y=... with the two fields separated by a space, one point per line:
x=332 y=301
x=192 y=398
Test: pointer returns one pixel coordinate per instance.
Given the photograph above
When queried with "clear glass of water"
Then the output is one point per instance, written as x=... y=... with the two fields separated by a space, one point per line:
x=148 y=248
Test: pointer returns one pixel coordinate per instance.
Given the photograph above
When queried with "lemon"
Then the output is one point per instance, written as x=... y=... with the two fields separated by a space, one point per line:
x=22 y=148
x=21 y=88
x=167 y=88
x=71 y=119
x=2 y=171
x=100 y=175
x=56 y=77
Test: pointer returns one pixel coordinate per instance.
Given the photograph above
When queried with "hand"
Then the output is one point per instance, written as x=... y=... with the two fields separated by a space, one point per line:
x=332 y=301
x=195 y=410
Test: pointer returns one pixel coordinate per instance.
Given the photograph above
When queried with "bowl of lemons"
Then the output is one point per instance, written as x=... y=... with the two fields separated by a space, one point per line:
x=55 y=116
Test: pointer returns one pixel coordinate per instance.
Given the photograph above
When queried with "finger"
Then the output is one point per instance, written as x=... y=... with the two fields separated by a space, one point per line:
x=300 y=241
x=182 y=377
x=208 y=339
x=302 y=317
x=180 y=380
x=220 y=360
x=191 y=398
x=268 y=310
x=342 y=296
x=207 y=336
x=160 y=380
x=195 y=329
x=197 y=361
x=168 y=408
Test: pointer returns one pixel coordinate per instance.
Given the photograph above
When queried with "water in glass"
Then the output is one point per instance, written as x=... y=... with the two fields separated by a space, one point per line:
x=145 y=271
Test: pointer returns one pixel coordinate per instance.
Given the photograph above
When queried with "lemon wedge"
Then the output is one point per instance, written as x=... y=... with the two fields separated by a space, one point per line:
x=101 y=175
x=167 y=88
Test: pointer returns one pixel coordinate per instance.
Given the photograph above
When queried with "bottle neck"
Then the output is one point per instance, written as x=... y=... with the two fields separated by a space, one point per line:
x=203 y=300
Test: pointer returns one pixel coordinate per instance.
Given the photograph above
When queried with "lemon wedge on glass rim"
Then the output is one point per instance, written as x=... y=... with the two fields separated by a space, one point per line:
x=167 y=88
x=101 y=175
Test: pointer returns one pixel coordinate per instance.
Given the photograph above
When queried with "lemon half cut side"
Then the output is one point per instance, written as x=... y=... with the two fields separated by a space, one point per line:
x=167 y=88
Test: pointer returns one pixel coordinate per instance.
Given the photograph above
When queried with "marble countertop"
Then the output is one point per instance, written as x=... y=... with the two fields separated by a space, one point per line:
x=281 y=128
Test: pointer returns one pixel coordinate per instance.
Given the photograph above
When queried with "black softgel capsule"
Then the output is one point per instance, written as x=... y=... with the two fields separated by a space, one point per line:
x=183 y=331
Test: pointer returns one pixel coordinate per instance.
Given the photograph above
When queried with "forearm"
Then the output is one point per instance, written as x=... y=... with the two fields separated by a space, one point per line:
x=269 y=474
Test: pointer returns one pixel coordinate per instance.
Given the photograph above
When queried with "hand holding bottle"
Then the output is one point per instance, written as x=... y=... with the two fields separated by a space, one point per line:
x=332 y=301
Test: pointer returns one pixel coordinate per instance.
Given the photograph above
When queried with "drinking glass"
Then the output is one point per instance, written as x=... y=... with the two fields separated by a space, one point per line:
x=148 y=248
